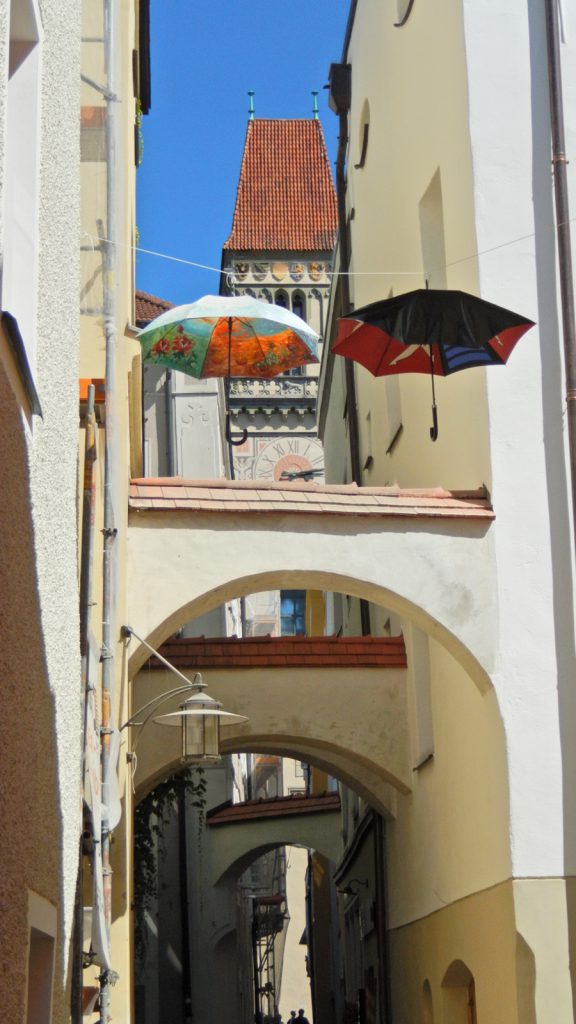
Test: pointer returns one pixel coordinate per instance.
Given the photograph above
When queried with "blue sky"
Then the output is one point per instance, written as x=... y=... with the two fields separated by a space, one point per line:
x=206 y=55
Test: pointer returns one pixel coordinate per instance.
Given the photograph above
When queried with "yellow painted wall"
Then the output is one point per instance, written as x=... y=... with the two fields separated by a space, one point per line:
x=126 y=427
x=479 y=931
x=413 y=214
x=450 y=837
x=513 y=938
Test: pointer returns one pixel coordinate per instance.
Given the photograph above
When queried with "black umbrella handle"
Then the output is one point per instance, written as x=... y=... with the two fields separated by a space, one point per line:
x=228 y=429
x=434 y=427
x=228 y=432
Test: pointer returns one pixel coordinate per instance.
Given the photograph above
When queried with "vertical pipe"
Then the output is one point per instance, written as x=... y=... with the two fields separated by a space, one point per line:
x=110 y=529
x=169 y=411
x=351 y=399
x=559 y=162
x=184 y=903
x=86 y=573
x=256 y=967
x=384 y=1010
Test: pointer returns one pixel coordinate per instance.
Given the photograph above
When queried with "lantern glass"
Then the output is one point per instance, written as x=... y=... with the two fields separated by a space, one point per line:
x=200 y=737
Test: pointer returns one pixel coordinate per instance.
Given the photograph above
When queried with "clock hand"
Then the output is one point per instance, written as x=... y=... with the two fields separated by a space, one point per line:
x=299 y=474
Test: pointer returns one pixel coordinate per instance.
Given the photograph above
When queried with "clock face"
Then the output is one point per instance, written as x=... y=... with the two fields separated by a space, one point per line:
x=289 y=458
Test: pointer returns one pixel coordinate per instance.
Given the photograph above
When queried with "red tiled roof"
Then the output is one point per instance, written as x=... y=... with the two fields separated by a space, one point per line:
x=275 y=807
x=285 y=198
x=175 y=493
x=148 y=307
x=280 y=651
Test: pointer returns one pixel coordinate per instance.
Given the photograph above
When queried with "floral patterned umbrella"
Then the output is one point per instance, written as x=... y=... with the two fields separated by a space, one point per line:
x=238 y=336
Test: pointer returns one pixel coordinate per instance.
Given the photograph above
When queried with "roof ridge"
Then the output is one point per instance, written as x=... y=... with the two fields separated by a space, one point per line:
x=311 y=487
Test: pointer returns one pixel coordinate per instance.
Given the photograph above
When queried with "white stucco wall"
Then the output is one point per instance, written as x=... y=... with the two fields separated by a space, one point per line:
x=535 y=668
x=41 y=732
x=54 y=454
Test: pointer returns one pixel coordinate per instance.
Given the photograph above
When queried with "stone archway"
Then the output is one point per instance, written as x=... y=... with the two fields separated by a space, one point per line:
x=349 y=719
x=428 y=559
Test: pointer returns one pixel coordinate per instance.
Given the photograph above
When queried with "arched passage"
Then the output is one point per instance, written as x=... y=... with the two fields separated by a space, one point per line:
x=350 y=721
x=434 y=568
x=297 y=579
x=234 y=849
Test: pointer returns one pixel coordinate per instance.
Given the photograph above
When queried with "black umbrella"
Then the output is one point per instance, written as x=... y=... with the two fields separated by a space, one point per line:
x=429 y=331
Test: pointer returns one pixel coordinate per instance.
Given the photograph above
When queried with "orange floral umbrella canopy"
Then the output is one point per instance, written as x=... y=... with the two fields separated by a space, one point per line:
x=238 y=336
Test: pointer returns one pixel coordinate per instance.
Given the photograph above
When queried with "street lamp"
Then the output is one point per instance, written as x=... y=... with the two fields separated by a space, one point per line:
x=199 y=716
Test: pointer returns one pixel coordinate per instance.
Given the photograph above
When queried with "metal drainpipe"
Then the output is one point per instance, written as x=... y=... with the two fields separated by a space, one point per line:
x=384 y=1002
x=86 y=574
x=351 y=400
x=255 y=968
x=184 y=905
x=169 y=411
x=109 y=561
x=559 y=162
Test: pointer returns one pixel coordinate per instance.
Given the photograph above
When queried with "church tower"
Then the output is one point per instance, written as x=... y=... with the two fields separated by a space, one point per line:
x=280 y=250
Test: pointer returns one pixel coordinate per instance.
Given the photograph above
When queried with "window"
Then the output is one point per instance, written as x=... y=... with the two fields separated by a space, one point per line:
x=427 y=1005
x=298 y=305
x=459 y=995
x=41 y=937
x=364 y=134
x=292 y=612
x=19 y=241
x=281 y=299
x=404 y=9
x=431 y=214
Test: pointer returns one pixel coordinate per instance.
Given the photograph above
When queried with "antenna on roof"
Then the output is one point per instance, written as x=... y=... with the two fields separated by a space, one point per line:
x=251 y=108
x=315 y=107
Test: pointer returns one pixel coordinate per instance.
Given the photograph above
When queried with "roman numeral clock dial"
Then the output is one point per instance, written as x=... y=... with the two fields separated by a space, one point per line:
x=290 y=458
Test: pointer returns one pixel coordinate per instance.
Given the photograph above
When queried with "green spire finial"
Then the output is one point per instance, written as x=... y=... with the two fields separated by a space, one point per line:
x=251 y=109
x=315 y=108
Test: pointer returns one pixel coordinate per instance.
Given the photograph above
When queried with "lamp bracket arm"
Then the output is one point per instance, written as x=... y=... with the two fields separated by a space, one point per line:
x=126 y=632
x=156 y=701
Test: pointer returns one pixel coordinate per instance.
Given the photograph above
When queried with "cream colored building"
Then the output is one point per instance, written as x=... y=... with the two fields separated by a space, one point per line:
x=39 y=654
x=449 y=180
x=115 y=92
x=70 y=89
x=460 y=752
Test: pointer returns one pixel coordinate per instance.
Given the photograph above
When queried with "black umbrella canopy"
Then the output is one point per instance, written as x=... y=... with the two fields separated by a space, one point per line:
x=429 y=331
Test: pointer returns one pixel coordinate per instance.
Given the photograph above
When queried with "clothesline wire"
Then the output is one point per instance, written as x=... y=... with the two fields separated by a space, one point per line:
x=341 y=273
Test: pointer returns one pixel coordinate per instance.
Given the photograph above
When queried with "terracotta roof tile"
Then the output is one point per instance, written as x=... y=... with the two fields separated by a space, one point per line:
x=285 y=198
x=319 y=651
x=303 y=498
x=148 y=307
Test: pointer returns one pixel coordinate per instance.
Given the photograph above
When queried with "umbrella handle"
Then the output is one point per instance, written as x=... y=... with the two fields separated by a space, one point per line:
x=228 y=433
x=434 y=427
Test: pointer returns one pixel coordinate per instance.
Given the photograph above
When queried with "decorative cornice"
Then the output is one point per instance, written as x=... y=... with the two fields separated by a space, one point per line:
x=274 y=414
x=279 y=389
x=269 y=270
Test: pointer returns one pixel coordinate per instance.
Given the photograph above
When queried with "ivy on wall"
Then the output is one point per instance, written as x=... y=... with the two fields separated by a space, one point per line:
x=151 y=816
